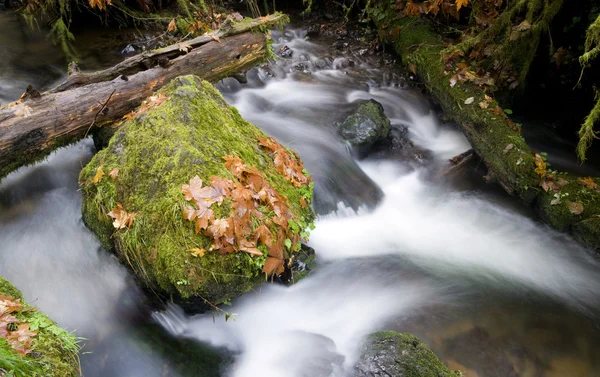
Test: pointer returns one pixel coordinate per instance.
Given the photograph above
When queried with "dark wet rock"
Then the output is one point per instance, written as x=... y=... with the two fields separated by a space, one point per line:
x=285 y=52
x=342 y=63
x=313 y=31
x=366 y=126
x=129 y=50
x=392 y=354
x=340 y=45
x=321 y=63
x=398 y=146
x=328 y=16
x=301 y=67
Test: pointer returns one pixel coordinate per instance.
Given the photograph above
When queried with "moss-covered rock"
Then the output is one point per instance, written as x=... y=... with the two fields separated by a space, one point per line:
x=366 y=126
x=493 y=136
x=53 y=352
x=389 y=353
x=187 y=135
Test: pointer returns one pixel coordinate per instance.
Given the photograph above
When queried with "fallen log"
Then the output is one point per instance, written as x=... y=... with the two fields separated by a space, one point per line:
x=35 y=125
x=565 y=201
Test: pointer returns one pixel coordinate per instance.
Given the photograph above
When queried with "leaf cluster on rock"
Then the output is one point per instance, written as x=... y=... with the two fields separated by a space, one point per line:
x=18 y=335
x=247 y=228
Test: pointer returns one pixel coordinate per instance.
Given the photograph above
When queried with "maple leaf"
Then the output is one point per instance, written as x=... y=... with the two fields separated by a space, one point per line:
x=575 y=208
x=219 y=227
x=273 y=266
x=21 y=338
x=172 y=26
x=98 y=176
x=249 y=247
x=263 y=234
x=589 y=183
x=121 y=218
x=114 y=173
x=461 y=4
x=197 y=252
x=235 y=165
x=191 y=190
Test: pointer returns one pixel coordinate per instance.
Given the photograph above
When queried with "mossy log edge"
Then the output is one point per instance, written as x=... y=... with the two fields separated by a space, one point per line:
x=414 y=40
x=31 y=128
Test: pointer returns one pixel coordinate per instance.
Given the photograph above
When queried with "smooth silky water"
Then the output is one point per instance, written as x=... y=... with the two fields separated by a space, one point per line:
x=466 y=269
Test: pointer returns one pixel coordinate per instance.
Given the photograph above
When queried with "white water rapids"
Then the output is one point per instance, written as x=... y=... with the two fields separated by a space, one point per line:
x=468 y=271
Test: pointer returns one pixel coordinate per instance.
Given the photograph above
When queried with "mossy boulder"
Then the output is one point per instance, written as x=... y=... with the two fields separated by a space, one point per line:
x=389 y=353
x=187 y=134
x=53 y=351
x=366 y=126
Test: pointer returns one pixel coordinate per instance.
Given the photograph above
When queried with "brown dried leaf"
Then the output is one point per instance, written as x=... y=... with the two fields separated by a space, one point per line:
x=273 y=266
x=172 y=26
x=114 y=173
x=121 y=219
x=589 y=183
x=575 y=208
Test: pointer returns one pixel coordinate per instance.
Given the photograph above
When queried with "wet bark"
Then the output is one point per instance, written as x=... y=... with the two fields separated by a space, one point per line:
x=35 y=125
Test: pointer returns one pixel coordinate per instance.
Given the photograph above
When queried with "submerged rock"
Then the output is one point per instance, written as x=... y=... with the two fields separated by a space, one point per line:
x=392 y=354
x=151 y=156
x=398 y=146
x=366 y=126
x=41 y=348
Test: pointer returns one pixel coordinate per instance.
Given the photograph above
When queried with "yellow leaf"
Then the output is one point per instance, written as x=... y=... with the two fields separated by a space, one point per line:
x=540 y=165
x=172 y=26
x=113 y=173
x=197 y=252
x=99 y=175
x=461 y=4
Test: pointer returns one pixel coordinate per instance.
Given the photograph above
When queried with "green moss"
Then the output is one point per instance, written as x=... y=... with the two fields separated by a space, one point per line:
x=402 y=355
x=54 y=350
x=158 y=152
x=489 y=134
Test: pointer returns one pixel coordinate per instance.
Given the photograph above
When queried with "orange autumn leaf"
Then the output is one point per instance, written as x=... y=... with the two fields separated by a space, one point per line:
x=114 y=173
x=461 y=4
x=121 y=218
x=172 y=26
x=589 y=183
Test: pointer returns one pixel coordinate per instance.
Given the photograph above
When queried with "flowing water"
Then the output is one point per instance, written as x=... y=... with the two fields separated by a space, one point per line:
x=466 y=269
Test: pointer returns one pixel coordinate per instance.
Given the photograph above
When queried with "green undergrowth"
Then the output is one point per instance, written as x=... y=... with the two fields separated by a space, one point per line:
x=54 y=352
x=509 y=159
x=156 y=153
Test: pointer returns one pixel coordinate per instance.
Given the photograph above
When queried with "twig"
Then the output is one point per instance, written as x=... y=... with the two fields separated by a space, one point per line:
x=98 y=113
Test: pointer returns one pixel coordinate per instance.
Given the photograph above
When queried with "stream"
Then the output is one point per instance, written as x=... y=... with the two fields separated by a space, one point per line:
x=465 y=268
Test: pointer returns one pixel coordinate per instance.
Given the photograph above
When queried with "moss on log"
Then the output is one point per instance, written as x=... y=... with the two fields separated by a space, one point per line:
x=54 y=351
x=510 y=161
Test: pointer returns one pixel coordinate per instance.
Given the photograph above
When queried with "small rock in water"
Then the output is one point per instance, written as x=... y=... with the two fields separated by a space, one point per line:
x=301 y=67
x=321 y=63
x=285 y=52
x=129 y=49
x=366 y=126
x=328 y=16
x=313 y=31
